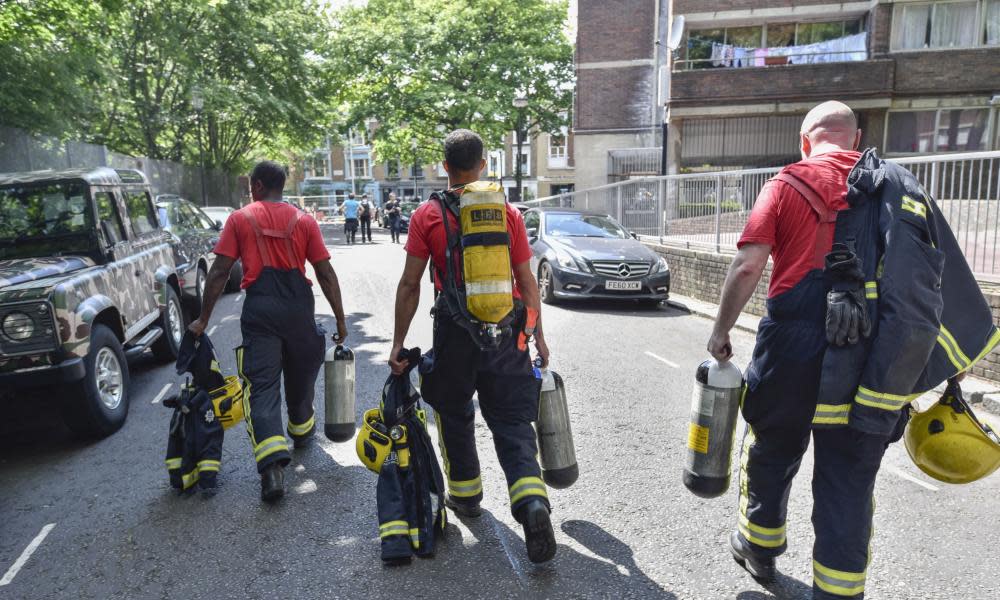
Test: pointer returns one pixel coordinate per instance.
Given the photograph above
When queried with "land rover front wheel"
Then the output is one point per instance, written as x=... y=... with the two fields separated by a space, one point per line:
x=98 y=405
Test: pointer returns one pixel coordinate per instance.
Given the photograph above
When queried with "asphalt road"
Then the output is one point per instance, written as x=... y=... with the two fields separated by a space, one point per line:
x=104 y=523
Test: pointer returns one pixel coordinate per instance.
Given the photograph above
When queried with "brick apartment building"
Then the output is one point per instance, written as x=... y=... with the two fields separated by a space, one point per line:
x=546 y=169
x=923 y=76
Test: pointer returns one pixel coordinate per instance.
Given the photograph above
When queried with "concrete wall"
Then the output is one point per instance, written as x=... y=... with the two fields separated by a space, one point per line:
x=590 y=155
x=700 y=275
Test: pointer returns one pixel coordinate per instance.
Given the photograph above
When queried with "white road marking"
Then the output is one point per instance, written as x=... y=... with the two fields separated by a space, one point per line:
x=212 y=330
x=663 y=360
x=901 y=473
x=21 y=560
x=163 y=392
x=229 y=318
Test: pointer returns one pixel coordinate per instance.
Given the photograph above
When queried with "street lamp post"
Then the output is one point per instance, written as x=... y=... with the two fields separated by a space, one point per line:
x=413 y=146
x=198 y=103
x=520 y=103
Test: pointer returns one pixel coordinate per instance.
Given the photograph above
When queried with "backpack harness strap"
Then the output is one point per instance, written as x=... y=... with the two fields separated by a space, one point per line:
x=260 y=234
x=827 y=217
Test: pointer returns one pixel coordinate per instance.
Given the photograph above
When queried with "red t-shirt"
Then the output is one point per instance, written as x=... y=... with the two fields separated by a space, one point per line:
x=238 y=240
x=427 y=237
x=782 y=219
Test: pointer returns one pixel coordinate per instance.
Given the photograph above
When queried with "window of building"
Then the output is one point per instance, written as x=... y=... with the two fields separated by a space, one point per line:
x=557 y=146
x=319 y=165
x=495 y=168
x=558 y=151
x=943 y=130
x=392 y=169
x=362 y=168
x=738 y=46
x=357 y=137
x=951 y=24
x=992 y=18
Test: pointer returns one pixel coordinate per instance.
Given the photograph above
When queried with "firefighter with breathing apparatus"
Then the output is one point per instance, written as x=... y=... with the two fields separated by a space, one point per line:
x=871 y=303
x=487 y=312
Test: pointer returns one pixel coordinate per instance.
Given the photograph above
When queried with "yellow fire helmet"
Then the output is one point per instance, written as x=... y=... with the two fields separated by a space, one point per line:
x=949 y=443
x=373 y=444
x=227 y=401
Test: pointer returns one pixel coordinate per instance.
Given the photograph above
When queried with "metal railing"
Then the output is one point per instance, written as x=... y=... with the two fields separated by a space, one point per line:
x=710 y=210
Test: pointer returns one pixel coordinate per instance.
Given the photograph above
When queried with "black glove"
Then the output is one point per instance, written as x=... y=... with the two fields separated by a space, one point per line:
x=846 y=311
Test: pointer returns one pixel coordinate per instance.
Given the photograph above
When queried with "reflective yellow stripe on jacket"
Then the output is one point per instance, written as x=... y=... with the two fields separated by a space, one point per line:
x=871 y=290
x=883 y=400
x=914 y=206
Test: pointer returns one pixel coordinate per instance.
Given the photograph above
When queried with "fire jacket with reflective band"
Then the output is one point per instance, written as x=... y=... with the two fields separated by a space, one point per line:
x=410 y=489
x=930 y=319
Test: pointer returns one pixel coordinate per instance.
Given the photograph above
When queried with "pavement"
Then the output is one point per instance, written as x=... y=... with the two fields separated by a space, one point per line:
x=97 y=519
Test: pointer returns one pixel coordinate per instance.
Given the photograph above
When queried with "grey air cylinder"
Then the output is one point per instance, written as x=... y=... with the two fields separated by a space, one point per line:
x=714 y=410
x=555 y=438
x=338 y=369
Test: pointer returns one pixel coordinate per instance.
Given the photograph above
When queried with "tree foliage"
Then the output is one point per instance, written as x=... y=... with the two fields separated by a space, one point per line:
x=123 y=74
x=421 y=67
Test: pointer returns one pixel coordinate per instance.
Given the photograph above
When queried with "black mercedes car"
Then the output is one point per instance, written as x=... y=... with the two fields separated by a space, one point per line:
x=580 y=254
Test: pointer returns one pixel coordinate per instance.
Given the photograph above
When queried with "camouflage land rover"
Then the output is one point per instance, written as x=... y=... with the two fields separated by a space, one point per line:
x=87 y=281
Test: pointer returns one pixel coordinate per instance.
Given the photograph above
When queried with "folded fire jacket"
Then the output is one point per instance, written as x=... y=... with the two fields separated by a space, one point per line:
x=194 y=444
x=930 y=319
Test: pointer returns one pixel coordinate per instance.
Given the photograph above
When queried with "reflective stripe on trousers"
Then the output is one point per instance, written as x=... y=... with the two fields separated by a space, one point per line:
x=527 y=486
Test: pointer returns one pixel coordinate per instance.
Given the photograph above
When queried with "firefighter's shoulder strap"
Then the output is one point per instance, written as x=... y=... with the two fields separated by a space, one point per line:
x=827 y=216
x=261 y=233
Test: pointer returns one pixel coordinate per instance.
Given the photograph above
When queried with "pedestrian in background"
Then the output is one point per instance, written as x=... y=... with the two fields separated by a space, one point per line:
x=392 y=215
x=350 y=209
x=365 y=218
x=274 y=240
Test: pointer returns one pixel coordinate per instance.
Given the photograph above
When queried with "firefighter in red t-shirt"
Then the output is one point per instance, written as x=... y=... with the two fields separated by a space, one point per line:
x=502 y=374
x=280 y=335
x=793 y=221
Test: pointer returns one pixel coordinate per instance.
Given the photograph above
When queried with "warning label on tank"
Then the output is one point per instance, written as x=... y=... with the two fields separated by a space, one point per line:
x=698 y=438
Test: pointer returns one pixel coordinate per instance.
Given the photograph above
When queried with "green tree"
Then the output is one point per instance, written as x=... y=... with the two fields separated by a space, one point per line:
x=422 y=67
x=255 y=63
x=51 y=57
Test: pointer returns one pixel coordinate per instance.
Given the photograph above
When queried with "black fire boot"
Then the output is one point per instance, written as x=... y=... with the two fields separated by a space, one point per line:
x=272 y=483
x=539 y=538
x=469 y=511
x=761 y=569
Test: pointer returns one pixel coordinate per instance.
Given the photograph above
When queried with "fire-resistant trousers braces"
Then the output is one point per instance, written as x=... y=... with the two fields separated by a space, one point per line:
x=280 y=337
x=508 y=398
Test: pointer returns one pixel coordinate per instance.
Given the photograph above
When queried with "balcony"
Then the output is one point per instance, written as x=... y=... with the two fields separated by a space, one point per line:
x=782 y=83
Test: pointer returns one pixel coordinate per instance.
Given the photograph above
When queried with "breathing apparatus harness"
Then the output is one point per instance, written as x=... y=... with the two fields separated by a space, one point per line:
x=487 y=333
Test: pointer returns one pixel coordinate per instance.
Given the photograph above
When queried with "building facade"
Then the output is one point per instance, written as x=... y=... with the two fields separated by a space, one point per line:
x=333 y=172
x=922 y=75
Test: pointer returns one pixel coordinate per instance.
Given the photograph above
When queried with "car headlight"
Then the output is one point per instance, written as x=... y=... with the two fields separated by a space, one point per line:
x=661 y=265
x=566 y=260
x=18 y=326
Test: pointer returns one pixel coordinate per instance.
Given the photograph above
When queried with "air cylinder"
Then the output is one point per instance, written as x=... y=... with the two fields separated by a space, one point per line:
x=715 y=406
x=338 y=369
x=555 y=438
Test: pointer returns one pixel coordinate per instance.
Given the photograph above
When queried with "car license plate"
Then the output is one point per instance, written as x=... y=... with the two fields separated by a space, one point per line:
x=623 y=285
